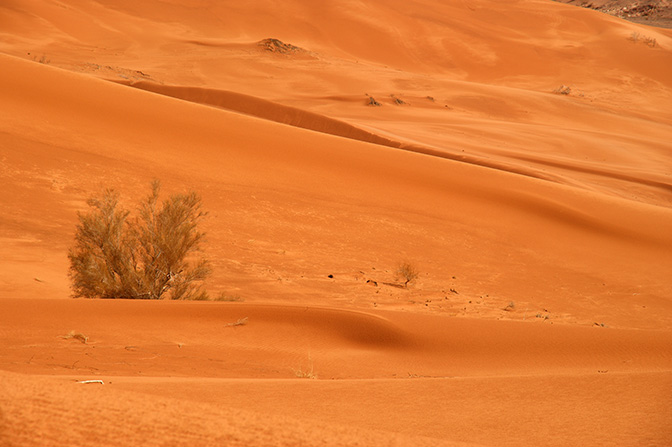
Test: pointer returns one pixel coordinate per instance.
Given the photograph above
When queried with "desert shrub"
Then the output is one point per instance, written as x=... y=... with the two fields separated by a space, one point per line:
x=148 y=257
x=373 y=102
x=636 y=37
x=230 y=298
x=407 y=272
x=563 y=90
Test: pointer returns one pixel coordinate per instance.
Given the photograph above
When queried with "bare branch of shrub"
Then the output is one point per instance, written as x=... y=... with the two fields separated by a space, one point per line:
x=147 y=257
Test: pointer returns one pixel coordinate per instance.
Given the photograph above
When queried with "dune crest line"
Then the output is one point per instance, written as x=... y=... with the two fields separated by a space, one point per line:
x=292 y=116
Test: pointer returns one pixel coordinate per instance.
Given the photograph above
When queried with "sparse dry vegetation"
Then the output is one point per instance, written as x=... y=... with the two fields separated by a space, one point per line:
x=638 y=37
x=305 y=374
x=563 y=90
x=239 y=322
x=308 y=373
x=42 y=59
x=407 y=272
x=373 y=102
x=72 y=335
x=229 y=298
x=147 y=257
x=278 y=46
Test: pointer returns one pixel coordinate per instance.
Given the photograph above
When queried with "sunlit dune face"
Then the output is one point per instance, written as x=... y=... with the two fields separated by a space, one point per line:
x=428 y=223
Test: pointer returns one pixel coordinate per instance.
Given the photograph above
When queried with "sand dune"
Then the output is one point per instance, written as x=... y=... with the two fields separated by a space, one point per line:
x=520 y=156
x=337 y=194
x=281 y=340
x=412 y=373
x=268 y=110
x=40 y=411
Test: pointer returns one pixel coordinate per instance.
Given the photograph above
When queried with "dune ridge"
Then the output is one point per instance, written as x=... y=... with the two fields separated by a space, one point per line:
x=264 y=109
x=292 y=116
x=497 y=76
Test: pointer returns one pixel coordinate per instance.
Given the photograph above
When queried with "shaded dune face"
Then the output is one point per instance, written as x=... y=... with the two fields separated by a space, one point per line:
x=517 y=154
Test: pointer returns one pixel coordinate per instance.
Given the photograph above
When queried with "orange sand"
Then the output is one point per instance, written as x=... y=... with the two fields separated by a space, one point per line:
x=475 y=168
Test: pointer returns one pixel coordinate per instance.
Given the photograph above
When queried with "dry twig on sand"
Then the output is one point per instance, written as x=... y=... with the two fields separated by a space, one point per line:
x=240 y=322
x=76 y=335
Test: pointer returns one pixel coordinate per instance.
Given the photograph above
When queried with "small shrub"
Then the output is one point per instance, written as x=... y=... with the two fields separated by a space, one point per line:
x=636 y=37
x=407 y=272
x=144 y=258
x=240 y=322
x=77 y=336
x=563 y=90
x=42 y=60
x=307 y=374
x=373 y=102
x=230 y=298
x=650 y=41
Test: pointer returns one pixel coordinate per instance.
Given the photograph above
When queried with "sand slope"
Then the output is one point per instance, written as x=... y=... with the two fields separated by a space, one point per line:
x=275 y=204
x=49 y=412
x=520 y=155
x=377 y=373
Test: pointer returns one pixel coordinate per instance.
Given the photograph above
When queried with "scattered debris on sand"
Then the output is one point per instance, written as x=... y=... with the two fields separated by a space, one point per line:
x=372 y=102
x=240 y=322
x=77 y=336
x=278 y=46
x=563 y=90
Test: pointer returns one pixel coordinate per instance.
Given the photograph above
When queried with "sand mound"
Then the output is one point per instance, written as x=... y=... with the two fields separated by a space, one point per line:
x=278 y=46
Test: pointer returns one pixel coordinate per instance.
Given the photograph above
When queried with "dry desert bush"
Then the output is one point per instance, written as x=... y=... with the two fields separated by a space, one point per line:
x=77 y=336
x=563 y=90
x=636 y=37
x=147 y=257
x=407 y=272
x=308 y=373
